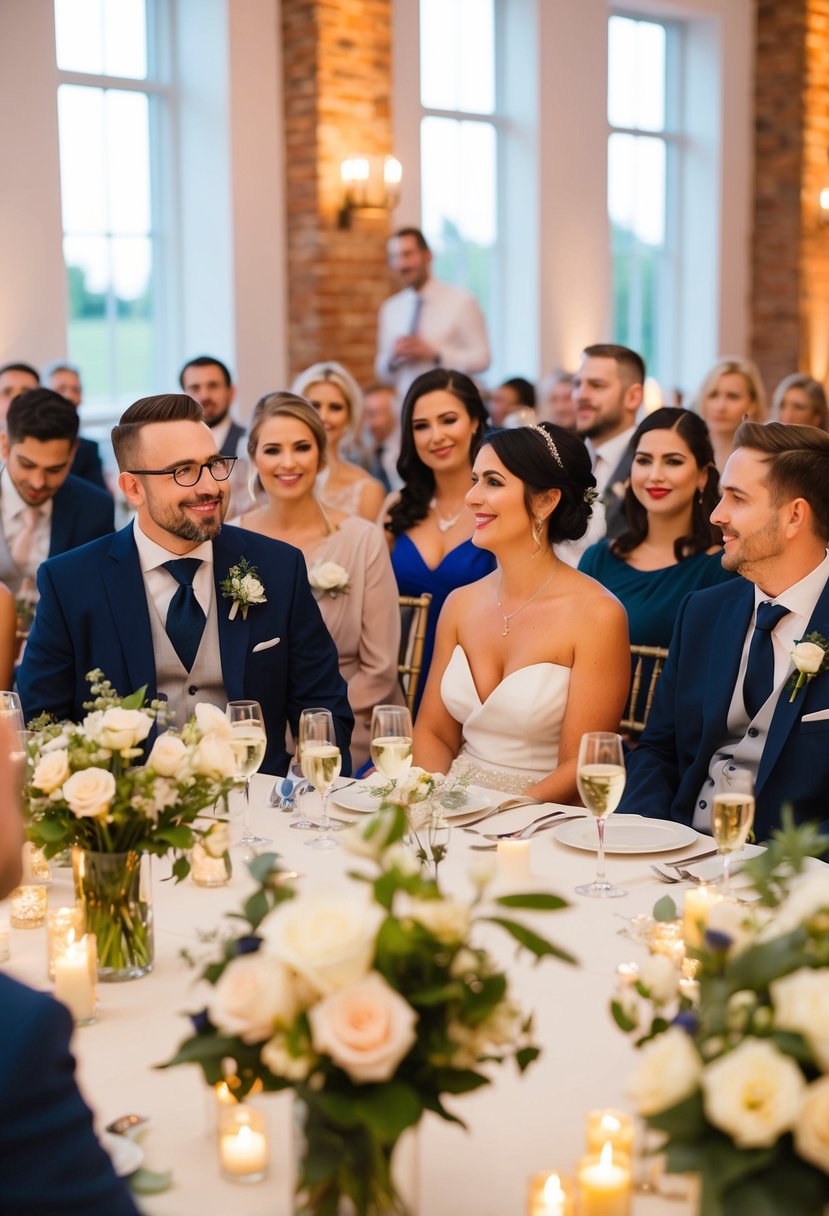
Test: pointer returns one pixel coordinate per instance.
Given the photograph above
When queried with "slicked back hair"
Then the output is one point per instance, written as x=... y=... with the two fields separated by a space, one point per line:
x=631 y=365
x=797 y=464
x=167 y=407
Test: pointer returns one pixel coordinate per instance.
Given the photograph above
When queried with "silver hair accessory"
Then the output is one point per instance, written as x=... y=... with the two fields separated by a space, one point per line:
x=590 y=496
x=548 y=439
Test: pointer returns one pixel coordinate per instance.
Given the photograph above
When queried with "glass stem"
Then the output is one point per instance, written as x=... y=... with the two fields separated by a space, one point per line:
x=726 y=868
x=246 y=809
x=324 y=824
x=601 y=881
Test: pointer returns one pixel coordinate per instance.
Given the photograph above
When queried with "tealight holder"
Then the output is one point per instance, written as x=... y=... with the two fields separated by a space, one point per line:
x=550 y=1195
x=604 y=1184
x=27 y=907
x=63 y=926
x=666 y=938
x=613 y=1126
x=243 y=1143
x=208 y=871
x=76 y=979
x=35 y=866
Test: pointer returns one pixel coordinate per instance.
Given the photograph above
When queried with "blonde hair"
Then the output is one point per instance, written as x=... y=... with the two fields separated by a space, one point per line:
x=732 y=366
x=336 y=374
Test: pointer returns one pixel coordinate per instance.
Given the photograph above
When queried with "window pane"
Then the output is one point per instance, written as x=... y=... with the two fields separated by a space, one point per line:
x=82 y=158
x=636 y=188
x=102 y=37
x=457 y=55
x=636 y=74
x=88 y=279
x=128 y=161
x=132 y=285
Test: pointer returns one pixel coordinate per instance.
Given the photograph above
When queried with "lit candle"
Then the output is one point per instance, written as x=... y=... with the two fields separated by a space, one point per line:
x=550 y=1195
x=604 y=1185
x=243 y=1143
x=698 y=904
x=28 y=907
x=207 y=871
x=627 y=974
x=666 y=938
x=76 y=985
x=63 y=926
x=5 y=953
x=514 y=860
x=615 y=1126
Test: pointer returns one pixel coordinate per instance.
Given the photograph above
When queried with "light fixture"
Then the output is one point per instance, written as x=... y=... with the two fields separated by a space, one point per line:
x=823 y=200
x=370 y=183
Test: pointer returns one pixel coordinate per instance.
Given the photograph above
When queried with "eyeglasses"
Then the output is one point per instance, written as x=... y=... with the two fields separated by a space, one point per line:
x=187 y=475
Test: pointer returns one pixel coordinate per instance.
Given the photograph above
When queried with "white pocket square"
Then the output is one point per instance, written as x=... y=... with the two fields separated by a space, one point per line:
x=266 y=645
x=820 y=715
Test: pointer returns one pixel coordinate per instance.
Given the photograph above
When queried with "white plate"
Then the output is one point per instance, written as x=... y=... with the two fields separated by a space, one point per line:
x=125 y=1154
x=627 y=834
x=359 y=798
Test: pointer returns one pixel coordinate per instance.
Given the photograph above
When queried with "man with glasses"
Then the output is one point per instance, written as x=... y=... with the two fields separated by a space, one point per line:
x=149 y=605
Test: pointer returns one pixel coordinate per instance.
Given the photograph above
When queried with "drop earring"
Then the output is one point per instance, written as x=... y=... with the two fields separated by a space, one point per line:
x=538 y=525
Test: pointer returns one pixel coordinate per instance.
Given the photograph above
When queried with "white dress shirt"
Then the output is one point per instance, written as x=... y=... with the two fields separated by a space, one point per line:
x=160 y=584
x=13 y=517
x=604 y=457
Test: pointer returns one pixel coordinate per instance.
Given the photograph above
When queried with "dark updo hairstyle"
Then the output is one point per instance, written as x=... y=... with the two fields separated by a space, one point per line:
x=527 y=454
x=703 y=535
x=418 y=479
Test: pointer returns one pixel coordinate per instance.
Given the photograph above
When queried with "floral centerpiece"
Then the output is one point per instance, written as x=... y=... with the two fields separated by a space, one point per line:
x=87 y=788
x=735 y=1075
x=374 y=1005
x=424 y=798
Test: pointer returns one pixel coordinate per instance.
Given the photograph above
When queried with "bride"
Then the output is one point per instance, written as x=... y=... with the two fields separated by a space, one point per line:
x=535 y=654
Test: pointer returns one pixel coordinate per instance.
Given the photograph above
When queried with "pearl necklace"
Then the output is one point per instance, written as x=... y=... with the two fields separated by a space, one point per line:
x=507 y=616
x=443 y=523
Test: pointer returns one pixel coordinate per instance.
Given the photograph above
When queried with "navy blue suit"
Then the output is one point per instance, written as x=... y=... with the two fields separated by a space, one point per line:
x=688 y=719
x=80 y=513
x=51 y=1163
x=87 y=463
x=93 y=613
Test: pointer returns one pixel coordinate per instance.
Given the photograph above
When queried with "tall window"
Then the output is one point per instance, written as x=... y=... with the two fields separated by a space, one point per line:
x=110 y=101
x=644 y=164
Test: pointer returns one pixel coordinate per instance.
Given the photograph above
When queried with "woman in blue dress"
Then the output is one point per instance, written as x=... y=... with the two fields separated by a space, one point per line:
x=670 y=547
x=427 y=521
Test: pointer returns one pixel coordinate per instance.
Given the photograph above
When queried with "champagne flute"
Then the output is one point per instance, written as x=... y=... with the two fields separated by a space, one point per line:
x=300 y=818
x=391 y=740
x=12 y=711
x=600 y=775
x=248 y=742
x=321 y=761
x=732 y=816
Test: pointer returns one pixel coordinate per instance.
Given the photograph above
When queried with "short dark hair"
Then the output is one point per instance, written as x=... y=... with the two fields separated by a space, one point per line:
x=21 y=367
x=797 y=463
x=422 y=243
x=206 y=361
x=631 y=365
x=525 y=390
x=168 y=407
x=43 y=415
x=529 y=455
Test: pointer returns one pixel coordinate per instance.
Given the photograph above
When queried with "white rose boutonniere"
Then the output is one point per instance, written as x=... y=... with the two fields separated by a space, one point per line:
x=328 y=578
x=810 y=655
x=243 y=587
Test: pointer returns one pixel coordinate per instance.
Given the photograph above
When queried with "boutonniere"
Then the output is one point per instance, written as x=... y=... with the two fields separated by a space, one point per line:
x=244 y=588
x=328 y=578
x=810 y=655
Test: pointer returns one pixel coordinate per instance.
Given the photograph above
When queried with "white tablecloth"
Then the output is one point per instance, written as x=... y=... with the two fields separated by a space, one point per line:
x=517 y=1126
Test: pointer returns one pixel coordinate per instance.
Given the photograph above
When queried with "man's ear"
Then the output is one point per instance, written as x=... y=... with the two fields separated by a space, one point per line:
x=4 y=445
x=131 y=488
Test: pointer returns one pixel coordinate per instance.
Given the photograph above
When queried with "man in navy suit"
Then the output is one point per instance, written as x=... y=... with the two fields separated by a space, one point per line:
x=726 y=698
x=65 y=379
x=147 y=605
x=50 y=1159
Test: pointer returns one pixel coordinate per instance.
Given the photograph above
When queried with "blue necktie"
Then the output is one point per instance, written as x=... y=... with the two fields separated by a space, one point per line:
x=185 y=617
x=758 y=682
x=416 y=311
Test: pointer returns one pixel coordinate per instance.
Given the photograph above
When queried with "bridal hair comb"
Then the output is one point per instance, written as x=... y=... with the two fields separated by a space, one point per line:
x=590 y=496
x=548 y=439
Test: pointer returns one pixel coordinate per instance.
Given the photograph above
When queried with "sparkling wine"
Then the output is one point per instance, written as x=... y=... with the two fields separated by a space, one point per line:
x=731 y=820
x=392 y=754
x=321 y=764
x=601 y=787
x=248 y=746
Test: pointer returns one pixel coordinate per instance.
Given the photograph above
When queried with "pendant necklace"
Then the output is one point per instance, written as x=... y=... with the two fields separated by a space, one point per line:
x=443 y=523
x=507 y=616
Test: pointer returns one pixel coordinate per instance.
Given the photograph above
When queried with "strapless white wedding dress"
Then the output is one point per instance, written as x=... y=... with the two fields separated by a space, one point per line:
x=511 y=739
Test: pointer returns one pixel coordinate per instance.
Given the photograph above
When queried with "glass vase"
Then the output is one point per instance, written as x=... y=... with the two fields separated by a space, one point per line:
x=115 y=891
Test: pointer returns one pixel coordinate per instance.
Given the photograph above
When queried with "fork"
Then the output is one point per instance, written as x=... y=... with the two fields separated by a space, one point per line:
x=518 y=833
x=663 y=877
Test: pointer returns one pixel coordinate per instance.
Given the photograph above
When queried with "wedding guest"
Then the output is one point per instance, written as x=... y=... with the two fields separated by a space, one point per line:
x=15 y=378
x=801 y=399
x=670 y=546
x=556 y=403
x=731 y=392
x=729 y=695
x=50 y=1158
x=208 y=380
x=336 y=396
x=518 y=675
x=428 y=523
x=348 y=563
x=515 y=397
x=65 y=379
x=379 y=447
x=146 y=605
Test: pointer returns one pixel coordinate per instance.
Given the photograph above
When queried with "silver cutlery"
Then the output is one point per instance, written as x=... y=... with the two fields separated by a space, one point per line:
x=518 y=833
x=493 y=810
x=663 y=877
x=124 y=1124
x=512 y=804
x=686 y=861
x=530 y=830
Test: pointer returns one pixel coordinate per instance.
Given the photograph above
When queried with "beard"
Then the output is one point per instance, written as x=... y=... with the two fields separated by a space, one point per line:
x=177 y=523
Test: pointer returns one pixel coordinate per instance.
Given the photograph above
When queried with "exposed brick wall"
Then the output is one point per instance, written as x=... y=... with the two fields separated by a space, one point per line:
x=814 y=261
x=337 y=57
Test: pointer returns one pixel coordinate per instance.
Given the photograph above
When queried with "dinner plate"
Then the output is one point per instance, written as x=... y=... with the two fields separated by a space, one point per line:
x=125 y=1154
x=626 y=834
x=360 y=798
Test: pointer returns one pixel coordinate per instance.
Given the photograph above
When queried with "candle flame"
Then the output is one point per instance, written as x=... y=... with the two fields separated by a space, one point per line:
x=606 y=1155
x=552 y=1189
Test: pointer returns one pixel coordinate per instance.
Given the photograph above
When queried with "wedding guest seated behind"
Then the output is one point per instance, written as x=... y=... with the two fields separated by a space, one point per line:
x=428 y=523
x=65 y=379
x=148 y=605
x=348 y=563
x=670 y=546
x=731 y=392
x=727 y=696
x=336 y=396
x=536 y=653
x=801 y=399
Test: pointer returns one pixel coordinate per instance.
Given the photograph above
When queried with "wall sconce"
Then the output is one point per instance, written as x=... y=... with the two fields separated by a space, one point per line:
x=823 y=200
x=370 y=183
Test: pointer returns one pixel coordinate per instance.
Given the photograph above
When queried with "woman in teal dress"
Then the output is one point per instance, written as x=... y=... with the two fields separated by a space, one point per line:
x=670 y=547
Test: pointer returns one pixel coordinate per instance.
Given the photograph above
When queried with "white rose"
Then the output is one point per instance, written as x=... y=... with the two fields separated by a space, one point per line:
x=735 y=920
x=327 y=576
x=217 y=841
x=668 y=1071
x=51 y=771
x=659 y=975
x=252 y=590
x=801 y=1004
x=213 y=757
x=212 y=721
x=168 y=756
x=811 y=1129
x=89 y=792
x=254 y=994
x=446 y=919
x=328 y=938
x=368 y=839
x=276 y=1057
x=808 y=895
x=807 y=657
x=753 y=1094
x=54 y=745
x=414 y=786
x=366 y=1029
x=118 y=729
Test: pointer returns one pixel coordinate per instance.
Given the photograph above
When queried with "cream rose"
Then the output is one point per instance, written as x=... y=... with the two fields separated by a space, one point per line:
x=446 y=919
x=659 y=975
x=811 y=1129
x=327 y=938
x=254 y=994
x=366 y=1029
x=668 y=1071
x=252 y=590
x=753 y=1094
x=118 y=729
x=213 y=757
x=807 y=657
x=212 y=721
x=89 y=792
x=168 y=756
x=51 y=771
x=808 y=895
x=217 y=841
x=801 y=1004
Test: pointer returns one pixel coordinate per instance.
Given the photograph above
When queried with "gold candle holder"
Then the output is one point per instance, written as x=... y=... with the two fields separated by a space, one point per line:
x=63 y=926
x=604 y=1184
x=243 y=1143
x=610 y=1126
x=666 y=938
x=209 y=871
x=27 y=907
x=550 y=1195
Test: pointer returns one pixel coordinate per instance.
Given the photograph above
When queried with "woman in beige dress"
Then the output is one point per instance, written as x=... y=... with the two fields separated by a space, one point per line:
x=348 y=562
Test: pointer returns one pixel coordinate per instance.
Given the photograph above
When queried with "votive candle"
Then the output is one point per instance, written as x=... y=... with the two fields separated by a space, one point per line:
x=550 y=1195
x=27 y=906
x=514 y=859
x=698 y=904
x=76 y=983
x=35 y=866
x=63 y=926
x=666 y=938
x=604 y=1184
x=243 y=1143
x=207 y=871
x=614 y=1126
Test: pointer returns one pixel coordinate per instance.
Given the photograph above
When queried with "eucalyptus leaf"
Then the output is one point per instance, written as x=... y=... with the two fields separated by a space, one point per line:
x=541 y=901
x=664 y=909
x=531 y=940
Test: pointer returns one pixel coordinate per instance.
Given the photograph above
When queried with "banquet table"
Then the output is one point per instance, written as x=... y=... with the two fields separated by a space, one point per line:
x=517 y=1126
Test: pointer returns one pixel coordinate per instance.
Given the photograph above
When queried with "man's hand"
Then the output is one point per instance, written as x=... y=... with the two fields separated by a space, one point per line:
x=413 y=349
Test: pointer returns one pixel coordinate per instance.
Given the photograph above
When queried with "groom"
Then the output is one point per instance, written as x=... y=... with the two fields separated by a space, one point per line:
x=726 y=698
x=146 y=605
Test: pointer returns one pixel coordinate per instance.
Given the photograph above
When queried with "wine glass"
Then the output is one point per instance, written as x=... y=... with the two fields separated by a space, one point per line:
x=391 y=740
x=12 y=711
x=733 y=815
x=300 y=818
x=248 y=742
x=600 y=775
x=320 y=758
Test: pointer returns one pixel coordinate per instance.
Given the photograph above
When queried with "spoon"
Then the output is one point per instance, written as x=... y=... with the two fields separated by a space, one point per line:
x=125 y=1124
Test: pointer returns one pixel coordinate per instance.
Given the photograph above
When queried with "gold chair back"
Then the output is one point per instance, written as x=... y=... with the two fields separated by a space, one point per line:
x=414 y=612
x=647 y=662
